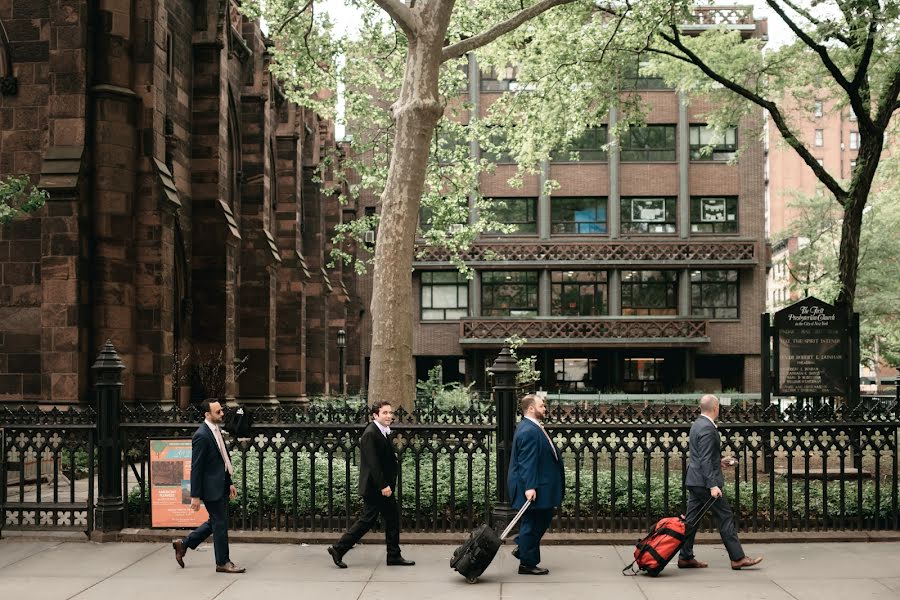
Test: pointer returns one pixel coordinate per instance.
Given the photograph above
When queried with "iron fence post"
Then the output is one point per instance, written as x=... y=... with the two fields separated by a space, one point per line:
x=504 y=371
x=110 y=514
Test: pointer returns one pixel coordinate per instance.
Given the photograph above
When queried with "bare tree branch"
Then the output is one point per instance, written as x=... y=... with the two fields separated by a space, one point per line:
x=889 y=102
x=486 y=37
x=294 y=16
x=402 y=15
x=817 y=22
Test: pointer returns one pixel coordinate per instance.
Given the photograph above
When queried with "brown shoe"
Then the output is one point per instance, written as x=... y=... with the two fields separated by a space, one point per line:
x=229 y=567
x=180 y=551
x=737 y=565
x=691 y=563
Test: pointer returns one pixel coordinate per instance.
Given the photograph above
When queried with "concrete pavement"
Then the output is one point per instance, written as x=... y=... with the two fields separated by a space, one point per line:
x=53 y=570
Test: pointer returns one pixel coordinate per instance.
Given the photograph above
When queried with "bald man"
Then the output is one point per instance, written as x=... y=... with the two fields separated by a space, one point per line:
x=704 y=478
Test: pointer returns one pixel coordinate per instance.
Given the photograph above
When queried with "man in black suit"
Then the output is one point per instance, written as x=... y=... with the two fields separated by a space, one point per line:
x=377 y=482
x=211 y=472
x=704 y=478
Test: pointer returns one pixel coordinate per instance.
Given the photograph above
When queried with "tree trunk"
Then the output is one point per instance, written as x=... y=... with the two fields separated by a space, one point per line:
x=416 y=113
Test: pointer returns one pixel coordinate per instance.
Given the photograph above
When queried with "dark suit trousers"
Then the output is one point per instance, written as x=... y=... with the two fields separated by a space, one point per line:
x=217 y=526
x=372 y=507
x=697 y=497
x=534 y=523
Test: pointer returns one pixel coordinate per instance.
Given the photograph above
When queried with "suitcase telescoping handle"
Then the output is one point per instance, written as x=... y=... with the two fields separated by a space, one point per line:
x=703 y=511
x=515 y=520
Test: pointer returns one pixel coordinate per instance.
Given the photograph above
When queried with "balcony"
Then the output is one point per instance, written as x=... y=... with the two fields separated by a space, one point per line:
x=584 y=331
x=543 y=253
x=739 y=18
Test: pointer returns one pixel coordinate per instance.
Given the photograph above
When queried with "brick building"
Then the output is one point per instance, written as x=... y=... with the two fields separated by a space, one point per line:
x=184 y=214
x=644 y=271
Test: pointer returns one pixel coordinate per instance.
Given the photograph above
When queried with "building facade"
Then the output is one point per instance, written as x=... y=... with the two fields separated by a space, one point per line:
x=184 y=215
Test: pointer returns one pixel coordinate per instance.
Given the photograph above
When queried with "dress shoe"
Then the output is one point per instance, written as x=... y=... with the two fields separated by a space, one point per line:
x=180 y=551
x=515 y=552
x=399 y=561
x=336 y=557
x=737 y=565
x=230 y=567
x=525 y=570
x=691 y=563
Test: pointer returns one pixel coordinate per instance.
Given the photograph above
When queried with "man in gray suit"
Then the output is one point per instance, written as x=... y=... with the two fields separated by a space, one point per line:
x=704 y=479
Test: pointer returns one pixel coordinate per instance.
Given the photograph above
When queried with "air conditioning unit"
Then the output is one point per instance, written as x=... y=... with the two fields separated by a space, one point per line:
x=456 y=227
x=370 y=236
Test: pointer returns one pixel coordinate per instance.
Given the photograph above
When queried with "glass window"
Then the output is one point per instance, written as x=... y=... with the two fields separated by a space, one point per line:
x=649 y=292
x=648 y=215
x=648 y=143
x=574 y=374
x=450 y=145
x=579 y=293
x=851 y=115
x=636 y=76
x=820 y=137
x=520 y=212
x=587 y=146
x=852 y=164
x=509 y=293
x=643 y=375
x=714 y=294
x=578 y=215
x=445 y=295
x=709 y=144
x=818 y=108
x=712 y=214
x=854 y=140
x=501 y=80
x=497 y=150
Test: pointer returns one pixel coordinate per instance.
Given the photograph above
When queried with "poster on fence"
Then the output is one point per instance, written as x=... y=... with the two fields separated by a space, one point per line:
x=170 y=485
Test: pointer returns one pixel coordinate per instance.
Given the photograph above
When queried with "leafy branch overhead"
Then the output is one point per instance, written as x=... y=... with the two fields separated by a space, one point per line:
x=18 y=196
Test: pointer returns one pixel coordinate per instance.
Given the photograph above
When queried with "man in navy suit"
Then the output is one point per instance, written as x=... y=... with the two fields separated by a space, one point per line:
x=536 y=473
x=211 y=472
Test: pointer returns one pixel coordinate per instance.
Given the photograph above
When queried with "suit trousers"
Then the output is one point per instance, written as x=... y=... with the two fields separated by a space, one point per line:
x=387 y=507
x=697 y=497
x=217 y=526
x=532 y=526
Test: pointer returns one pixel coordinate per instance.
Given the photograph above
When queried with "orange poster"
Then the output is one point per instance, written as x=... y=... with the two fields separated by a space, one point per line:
x=170 y=485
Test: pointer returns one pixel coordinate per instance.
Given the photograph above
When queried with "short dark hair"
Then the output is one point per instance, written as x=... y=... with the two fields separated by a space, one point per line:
x=376 y=408
x=204 y=407
x=526 y=402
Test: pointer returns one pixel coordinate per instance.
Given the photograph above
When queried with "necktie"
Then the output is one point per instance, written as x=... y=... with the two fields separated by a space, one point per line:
x=221 y=444
x=552 y=445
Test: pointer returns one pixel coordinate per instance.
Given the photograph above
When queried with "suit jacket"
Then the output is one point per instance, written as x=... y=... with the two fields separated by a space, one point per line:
x=378 y=463
x=209 y=479
x=704 y=467
x=535 y=465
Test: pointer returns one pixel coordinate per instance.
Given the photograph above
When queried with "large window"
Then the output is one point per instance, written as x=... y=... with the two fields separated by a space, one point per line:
x=648 y=143
x=648 y=215
x=509 y=293
x=649 y=292
x=714 y=294
x=714 y=214
x=519 y=212
x=579 y=293
x=575 y=374
x=445 y=295
x=578 y=215
x=588 y=146
x=709 y=144
x=496 y=150
x=636 y=76
x=498 y=80
x=643 y=375
x=854 y=140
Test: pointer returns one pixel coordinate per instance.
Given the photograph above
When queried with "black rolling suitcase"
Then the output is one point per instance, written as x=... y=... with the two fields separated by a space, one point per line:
x=472 y=558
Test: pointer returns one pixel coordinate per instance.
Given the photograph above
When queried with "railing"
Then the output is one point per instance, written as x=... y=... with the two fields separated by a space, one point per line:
x=719 y=15
x=578 y=329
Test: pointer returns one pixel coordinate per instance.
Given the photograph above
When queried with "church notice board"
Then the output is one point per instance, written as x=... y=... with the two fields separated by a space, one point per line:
x=810 y=345
x=170 y=485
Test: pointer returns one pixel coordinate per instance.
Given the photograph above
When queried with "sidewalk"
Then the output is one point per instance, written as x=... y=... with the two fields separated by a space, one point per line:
x=35 y=570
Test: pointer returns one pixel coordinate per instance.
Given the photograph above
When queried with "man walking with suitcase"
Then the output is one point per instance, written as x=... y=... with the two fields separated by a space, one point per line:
x=704 y=478
x=536 y=474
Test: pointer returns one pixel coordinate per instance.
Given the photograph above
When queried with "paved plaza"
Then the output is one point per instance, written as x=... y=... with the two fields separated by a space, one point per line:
x=53 y=570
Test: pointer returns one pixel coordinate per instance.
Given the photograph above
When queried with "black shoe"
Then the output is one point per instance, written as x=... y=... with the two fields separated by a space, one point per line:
x=336 y=557
x=399 y=561
x=524 y=570
x=515 y=553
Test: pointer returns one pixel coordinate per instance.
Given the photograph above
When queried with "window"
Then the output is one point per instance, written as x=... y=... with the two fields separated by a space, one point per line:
x=445 y=295
x=450 y=145
x=520 y=212
x=820 y=137
x=509 y=293
x=851 y=115
x=818 y=109
x=643 y=375
x=496 y=150
x=712 y=214
x=714 y=294
x=821 y=162
x=498 y=81
x=579 y=293
x=578 y=215
x=575 y=374
x=852 y=164
x=649 y=292
x=587 y=146
x=649 y=143
x=854 y=140
x=708 y=144
x=648 y=215
x=453 y=215
x=636 y=76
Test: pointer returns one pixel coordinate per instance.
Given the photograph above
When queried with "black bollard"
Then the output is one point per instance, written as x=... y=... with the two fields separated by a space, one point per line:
x=110 y=513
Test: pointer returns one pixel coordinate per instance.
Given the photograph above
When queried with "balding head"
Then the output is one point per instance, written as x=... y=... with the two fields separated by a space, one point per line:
x=709 y=405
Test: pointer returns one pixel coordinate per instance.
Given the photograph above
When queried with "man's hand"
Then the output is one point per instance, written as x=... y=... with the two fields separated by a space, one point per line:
x=195 y=504
x=530 y=495
x=232 y=492
x=728 y=462
x=386 y=492
x=715 y=492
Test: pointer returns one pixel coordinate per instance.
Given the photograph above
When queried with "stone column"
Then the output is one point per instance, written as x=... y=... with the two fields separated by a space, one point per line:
x=544 y=214
x=544 y=293
x=684 y=198
x=505 y=389
x=684 y=293
x=613 y=209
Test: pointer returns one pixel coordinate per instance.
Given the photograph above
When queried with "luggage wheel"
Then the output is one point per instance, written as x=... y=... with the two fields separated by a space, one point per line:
x=472 y=579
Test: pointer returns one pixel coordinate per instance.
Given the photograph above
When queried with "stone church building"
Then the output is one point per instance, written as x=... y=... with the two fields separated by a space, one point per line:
x=185 y=214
